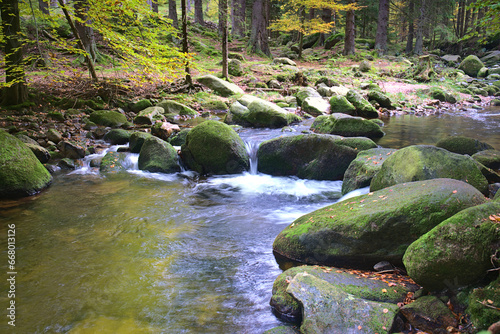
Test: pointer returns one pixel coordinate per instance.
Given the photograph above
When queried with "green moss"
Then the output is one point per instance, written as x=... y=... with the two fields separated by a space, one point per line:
x=158 y=156
x=345 y=125
x=463 y=145
x=481 y=315
x=108 y=118
x=117 y=137
x=113 y=162
x=137 y=140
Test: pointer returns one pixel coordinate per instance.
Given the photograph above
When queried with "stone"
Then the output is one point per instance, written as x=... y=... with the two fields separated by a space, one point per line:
x=21 y=174
x=425 y=162
x=339 y=104
x=67 y=163
x=141 y=105
x=315 y=106
x=305 y=92
x=235 y=67
x=282 y=330
x=220 y=86
x=363 y=107
x=471 y=65
x=378 y=226
x=347 y=126
x=365 y=66
x=109 y=118
x=362 y=169
x=463 y=145
x=136 y=141
x=483 y=72
x=329 y=309
x=482 y=316
x=213 y=147
x=117 y=137
x=158 y=156
x=451 y=59
x=42 y=154
x=339 y=90
x=113 y=162
x=149 y=115
x=491 y=58
x=458 y=251
x=164 y=130
x=383 y=100
x=179 y=138
x=174 y=107
x=441 y=95
x=488 y=158
x=429 y=314
x=284 y=61
x=311 y=156
x=71 y=150
x=54 y=135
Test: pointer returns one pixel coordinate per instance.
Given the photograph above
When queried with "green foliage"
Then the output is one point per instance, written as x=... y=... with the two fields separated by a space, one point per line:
x=490 y=22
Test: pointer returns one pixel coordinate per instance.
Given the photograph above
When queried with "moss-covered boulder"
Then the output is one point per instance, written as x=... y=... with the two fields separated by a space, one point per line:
x=305 y=92
x=164 y=130
x=430 y=314
x=318 y=157
x=471 y=65
x=215 y=148
x=483 y=305
x=363 y=107
x=157 y=155
x=378 y=226
x=425 y=162
x=113 y=162
x=136 y=141
x=347 y=126
x=463 y=145
x=117 y=137
x=109 y=118
x=140 y=105
x=283 y=330
x=362 y=169
x=339 y=104
x=330 y=309
x=458 y=251
x=315 y=106
x=41 y=153
x=235 y=67
x=71 y=150
x=149 y=115
x=174 y=107
x=383 y=100
x=179 y=138
x=284 y=61
x=361 y=287
x=220 y=86
x=21 y=173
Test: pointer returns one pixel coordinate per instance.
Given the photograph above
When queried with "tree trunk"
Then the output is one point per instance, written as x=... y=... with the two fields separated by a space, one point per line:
x=16 y=91
x=223 y=7
x=349 y=32
x=460 y=18
x=43 y=5
x=326 y=16
x=198 y=12
x=85 y=32
x=419 y=41
x=172 y=13
x=467 y=19
x=383 y=21
x=185 y=48
x=238 y=11
x=409 y=42
x=154 y=6
x=259 y=34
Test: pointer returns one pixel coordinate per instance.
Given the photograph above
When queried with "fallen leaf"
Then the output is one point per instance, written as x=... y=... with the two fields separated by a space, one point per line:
x=490 y=301
x=454 y=191
x=385 y=310
x=359 y=327
x=384 y=290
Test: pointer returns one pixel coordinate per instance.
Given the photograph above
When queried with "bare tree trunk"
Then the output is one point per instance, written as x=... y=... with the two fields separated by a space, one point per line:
x=349 y=32
x=326 y=16
x=85 y=32
x=238 y=11
x=419 y=41
x=302 y=16
x=43 y=5
x=172 y=13
x=409 y=42
x=259 y=34
x=467 y=19
x=154 y=6
x=383 y=21
x=16 y=92
x=185 y=48
x=223 y=7
x=198 y=12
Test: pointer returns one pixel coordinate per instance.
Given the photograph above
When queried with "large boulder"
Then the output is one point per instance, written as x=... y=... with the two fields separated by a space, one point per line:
x=463 y=145
x=380 y=98
x=362 y=169
x=117 y=136
x=113 y=162
x=174 y=107
x=284 y=61
x=315 y=106
x=329 y=309
x=235 y=67
x=108 y=118
x=489 y=158
x=424 y=162
x=482 y=316
x=363 y=107
x=136 y=141
x=21 y=174
x=339 y=104
x=318 y=157
x=346 y=125
x=471 y=65
x=378 y=226
x=41 y=153
x=305 y=92
x=149 y=115
x=71 y=150
x=458 y=251
x=215 y=148
x=220 y=86
x=157 y=155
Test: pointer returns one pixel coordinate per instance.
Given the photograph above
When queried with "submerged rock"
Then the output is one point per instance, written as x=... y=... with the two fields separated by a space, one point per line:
x=424 y=162
x=157 y=155
x=463 y=145
x=21 y=174
x=215 y=148
x=220 y=86
x=347 y=126
x=458 y=251
x=379 y=226
x=318 y=157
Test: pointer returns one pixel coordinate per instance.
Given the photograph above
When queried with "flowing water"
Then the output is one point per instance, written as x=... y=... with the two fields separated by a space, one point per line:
x=139 y=252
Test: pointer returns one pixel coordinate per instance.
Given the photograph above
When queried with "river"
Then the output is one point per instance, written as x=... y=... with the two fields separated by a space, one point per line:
x=138 y=252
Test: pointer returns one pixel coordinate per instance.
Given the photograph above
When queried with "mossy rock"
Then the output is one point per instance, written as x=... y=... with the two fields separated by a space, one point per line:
x=482 y=316
x=158 y=156
x=430 y=314
x=379 y=226
x=179 y=138
x=41 y=153
x=425 y=162
x=141 y=105
x=136 y=141
x=381 y=98
x=463 y=145
x=305 y=92
x=456 y=252
x=173 y=107
x=471 y=65
x=347 y=126
x=56 y=116
x=315 y=106
x=215 y=148
x=109 y=118
x=21 y=173
x=441 y=95
x=220 y=86
x=488 y=158
x=339 y=104
x=113 y=162
x=117 y=137
x=362 y=169
x=365 y=66
x=235 y=67
x=363 y=107
x=317 y=157
x=149 y=115
x=215 y=105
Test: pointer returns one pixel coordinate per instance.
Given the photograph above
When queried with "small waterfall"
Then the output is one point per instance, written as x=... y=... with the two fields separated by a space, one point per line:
x=252 y=148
